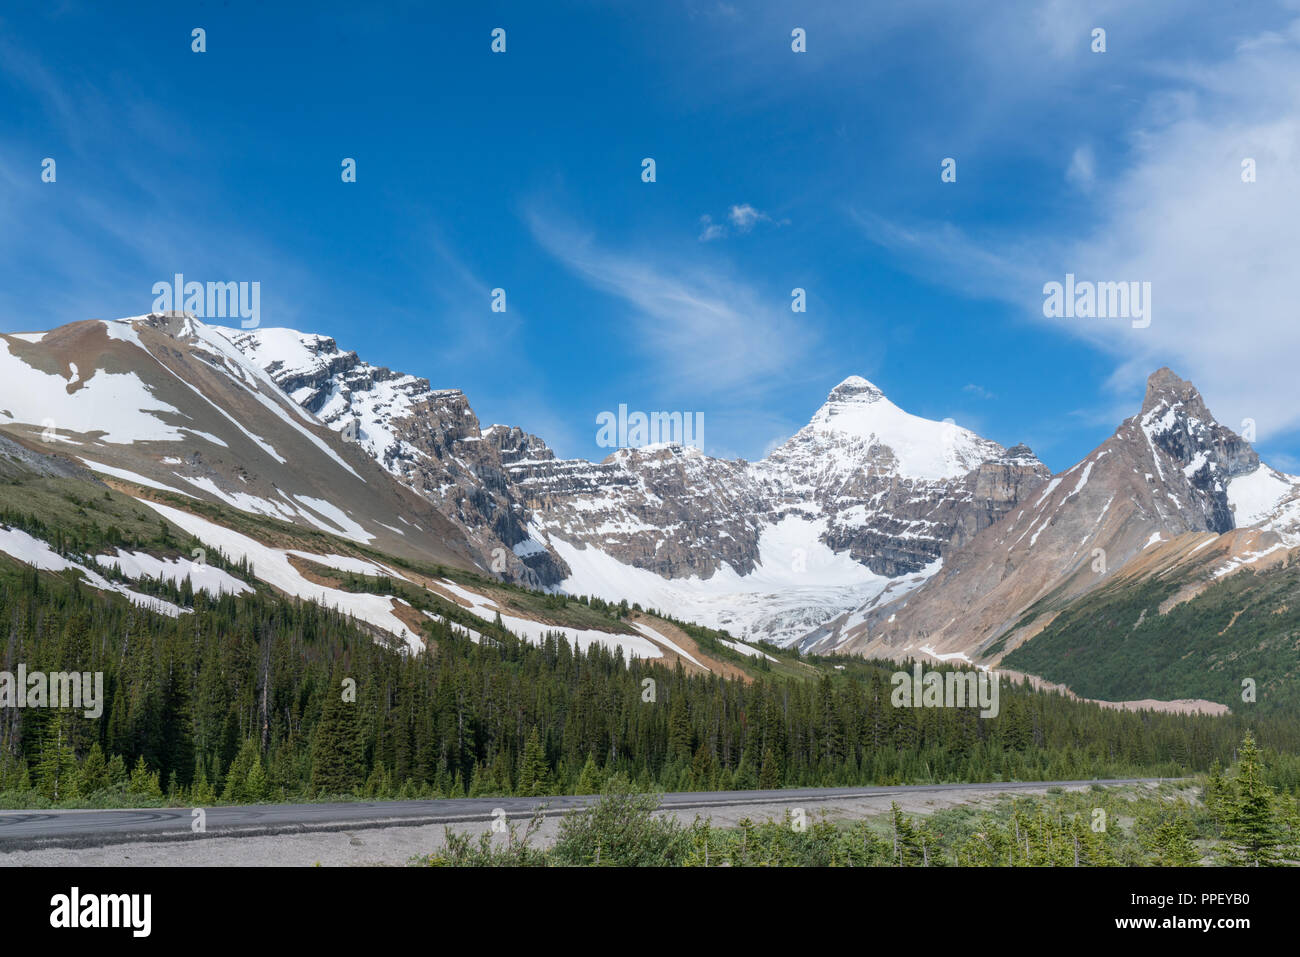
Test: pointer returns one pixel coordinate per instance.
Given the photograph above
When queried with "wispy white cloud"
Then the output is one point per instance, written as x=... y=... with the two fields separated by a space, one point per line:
x=701 y=328
x=710 y=230
x=1220 y=253
x=744 y=217
x=1082 y=171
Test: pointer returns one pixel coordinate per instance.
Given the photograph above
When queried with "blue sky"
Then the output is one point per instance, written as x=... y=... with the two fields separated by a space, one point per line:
x=775 y=170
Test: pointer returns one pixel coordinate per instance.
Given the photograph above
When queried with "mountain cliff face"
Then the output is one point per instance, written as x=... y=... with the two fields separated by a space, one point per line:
x=427 y=439
x=898 y=490
x=1165 y=475
x=864 y=481
x=165 y=403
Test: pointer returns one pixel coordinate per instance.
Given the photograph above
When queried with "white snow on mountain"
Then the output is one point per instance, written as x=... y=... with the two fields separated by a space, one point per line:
x=219 y=338
x=634 y=646
x=272 y=566
x=27 y=548
x=798 y=583
x=1258 y=496
x=116 y=404
x=858 y=416
x=362 y=400
x=204 y=577
x=130 y=476
x=860 y=463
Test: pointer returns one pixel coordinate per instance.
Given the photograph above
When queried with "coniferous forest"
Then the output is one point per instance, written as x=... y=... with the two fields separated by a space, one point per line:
x=258 y=698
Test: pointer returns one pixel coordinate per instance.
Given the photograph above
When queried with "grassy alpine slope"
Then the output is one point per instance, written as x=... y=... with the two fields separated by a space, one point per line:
x=1116 y=644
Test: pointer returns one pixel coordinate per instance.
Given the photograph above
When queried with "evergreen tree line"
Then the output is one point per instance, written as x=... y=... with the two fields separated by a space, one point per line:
x=256 y=697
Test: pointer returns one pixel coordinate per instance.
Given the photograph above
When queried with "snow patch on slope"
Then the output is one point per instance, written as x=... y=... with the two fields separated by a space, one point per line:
x=118 y=404
x=1255 y=497
x=634 y=646
x=27 y=548
x=204 y=577
x=272 y=566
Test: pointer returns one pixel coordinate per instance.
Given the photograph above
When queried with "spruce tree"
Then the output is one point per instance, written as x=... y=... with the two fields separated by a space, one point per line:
x=589 y=780
x=679 y=730
x=57 y=772
x=1216 y=788
x=532 y=768
x=236 y=790
x=745 y=779
x=769 y=776
x=1170 y=843
x=479 y=781
x=94 y=772
x=255 y=784
x=1254 y=826
x=337 y=759
x=117 y=770
x=143 y=782
x=201 y=792
x=704 y=770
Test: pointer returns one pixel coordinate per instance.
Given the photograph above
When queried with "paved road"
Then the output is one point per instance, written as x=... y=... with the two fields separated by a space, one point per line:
x=26 y=829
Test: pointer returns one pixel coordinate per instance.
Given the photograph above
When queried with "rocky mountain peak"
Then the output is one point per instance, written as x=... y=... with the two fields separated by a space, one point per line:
x=855 y=388
x=1021 y=454
x=1166 y=388
x=1190 y=454
x=889 y=491
x=1181 y=432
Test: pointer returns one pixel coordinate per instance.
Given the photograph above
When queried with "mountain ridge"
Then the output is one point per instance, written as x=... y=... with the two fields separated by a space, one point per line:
x=1166 y=474
x=864 y=477
x=870 y=530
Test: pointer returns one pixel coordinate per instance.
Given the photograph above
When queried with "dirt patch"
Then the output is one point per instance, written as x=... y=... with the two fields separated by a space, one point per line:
x=1233 y=620
x=413 y=619
x=688 y=644
x=313 y=572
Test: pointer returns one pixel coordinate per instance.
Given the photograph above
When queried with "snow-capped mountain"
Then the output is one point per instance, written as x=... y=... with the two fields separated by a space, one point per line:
x=1169 y=487
x=166 y=403
x=870 y=530
x=427 y=439
x=865 y=498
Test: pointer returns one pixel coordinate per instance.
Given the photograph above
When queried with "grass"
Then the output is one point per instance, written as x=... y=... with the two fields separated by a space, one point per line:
x=1114 y=643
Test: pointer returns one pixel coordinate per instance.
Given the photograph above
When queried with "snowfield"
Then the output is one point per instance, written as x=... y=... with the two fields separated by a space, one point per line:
x=1256 y=497
x=797 y=585
x=117 y=404
x=272 y=566
x=130 y=476
x=633 y=646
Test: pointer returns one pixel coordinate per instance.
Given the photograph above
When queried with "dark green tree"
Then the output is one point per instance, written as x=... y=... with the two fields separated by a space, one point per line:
x=337 y=759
